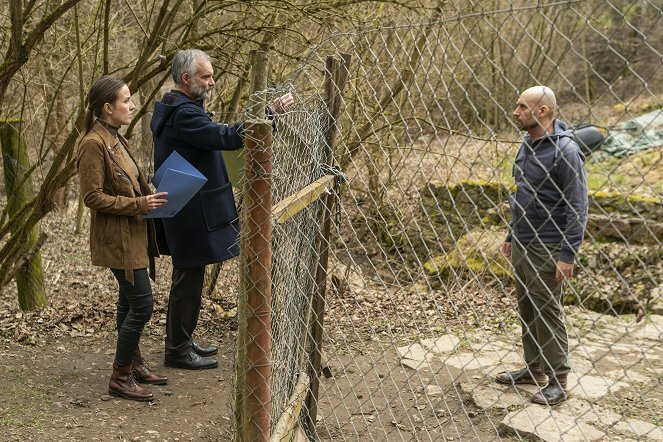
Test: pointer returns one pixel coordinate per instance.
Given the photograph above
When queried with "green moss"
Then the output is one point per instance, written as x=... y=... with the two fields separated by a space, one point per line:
x=435 y=266
x=632 y=205
x=476 y=252
x=488 y=187
x=571 y=297
x=617 y=197
x=514 y=407
x=446 y=265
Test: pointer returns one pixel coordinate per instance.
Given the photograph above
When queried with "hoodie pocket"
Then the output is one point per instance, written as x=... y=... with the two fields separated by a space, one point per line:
x=218 y=207
x=557 y=217
x=550 y=218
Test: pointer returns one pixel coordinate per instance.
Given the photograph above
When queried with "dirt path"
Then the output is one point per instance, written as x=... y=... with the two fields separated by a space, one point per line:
x=58 y=392
x=55 y=363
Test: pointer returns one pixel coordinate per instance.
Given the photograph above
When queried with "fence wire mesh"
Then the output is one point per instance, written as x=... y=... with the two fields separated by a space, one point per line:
x=295 y=245
x=421 y=311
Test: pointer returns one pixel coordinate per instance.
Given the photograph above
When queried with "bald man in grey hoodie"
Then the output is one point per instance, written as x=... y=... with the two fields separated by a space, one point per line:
x=548 y=218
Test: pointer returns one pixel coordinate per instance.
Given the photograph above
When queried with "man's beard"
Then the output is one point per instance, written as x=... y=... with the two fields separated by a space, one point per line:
x=200 y=93
x=526 y=125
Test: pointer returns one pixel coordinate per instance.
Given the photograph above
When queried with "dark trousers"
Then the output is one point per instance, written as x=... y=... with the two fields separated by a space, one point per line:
x=545 y=340
x=183 y=309
x=134 y=309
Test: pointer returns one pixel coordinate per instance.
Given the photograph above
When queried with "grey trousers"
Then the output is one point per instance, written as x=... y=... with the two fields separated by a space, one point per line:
x=545 y=339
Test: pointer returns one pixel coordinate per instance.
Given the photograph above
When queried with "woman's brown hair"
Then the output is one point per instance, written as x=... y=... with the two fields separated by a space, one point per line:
x=103 y=91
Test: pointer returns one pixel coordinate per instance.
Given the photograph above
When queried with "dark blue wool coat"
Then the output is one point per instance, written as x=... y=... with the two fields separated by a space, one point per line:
x=206 y=230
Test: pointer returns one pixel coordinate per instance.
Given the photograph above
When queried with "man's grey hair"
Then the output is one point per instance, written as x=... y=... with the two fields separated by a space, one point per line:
x=185 y=62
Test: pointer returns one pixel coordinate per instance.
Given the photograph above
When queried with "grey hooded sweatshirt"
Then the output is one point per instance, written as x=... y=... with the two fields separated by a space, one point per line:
x=551 y=192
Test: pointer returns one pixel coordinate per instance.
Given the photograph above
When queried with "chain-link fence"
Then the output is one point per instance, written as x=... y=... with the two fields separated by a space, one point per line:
x=420 y=309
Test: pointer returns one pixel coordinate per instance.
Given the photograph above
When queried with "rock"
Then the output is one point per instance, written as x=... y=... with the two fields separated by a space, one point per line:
x=469 y=361
x=617 y=228
x=414 y=365
x=656 y=301
x=543 y=423
x=581 y=365
x=609 y=227
x=640 y=429
x=414 y=357
x=494 y=396
x=650 y=328
x=506 y=358
x=414 y=352
x=433 y=390
x=592 y=388
x=476 y=253
x=487 y=342
x=627 y=205
x=591 y=413
x=443 y=344
x=629 y=376
x=464 y=204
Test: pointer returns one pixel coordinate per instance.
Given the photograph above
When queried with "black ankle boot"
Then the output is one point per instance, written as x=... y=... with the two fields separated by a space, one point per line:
x=554 y=393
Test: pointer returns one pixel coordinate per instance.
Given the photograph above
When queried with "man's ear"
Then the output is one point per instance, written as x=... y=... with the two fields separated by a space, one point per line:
x=186 y=79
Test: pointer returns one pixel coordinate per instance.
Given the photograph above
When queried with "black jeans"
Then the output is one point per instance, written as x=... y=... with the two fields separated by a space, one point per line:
x=183 y=309
x=134 y=309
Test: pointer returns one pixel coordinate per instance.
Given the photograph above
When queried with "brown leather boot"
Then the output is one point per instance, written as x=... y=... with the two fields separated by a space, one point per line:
x=554 y=393
x=123 y=384
x=528 y=375
x=143 y=374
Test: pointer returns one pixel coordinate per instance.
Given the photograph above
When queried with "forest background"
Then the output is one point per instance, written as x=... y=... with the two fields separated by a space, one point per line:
x=432 y=83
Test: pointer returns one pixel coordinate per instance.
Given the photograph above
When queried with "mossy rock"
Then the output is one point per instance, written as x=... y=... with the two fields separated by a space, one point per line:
x=476 y=253
x=468 y=195
x=406 y=235
x=461 y=206
x=638 y=206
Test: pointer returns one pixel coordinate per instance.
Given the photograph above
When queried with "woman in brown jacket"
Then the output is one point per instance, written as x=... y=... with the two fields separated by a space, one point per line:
x=117 y=194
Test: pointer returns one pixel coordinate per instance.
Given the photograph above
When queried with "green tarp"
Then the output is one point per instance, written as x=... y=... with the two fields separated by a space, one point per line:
x=644 y=132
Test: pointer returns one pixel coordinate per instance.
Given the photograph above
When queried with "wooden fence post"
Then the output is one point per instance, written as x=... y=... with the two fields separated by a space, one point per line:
x=335 y=81
x=19 y=190
x=254 y=306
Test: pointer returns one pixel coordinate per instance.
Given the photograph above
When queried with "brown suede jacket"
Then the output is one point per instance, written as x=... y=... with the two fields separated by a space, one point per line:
x=119 y=237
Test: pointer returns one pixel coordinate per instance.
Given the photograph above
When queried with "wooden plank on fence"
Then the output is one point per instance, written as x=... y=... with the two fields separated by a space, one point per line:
x=286 y=428
x=295 y=203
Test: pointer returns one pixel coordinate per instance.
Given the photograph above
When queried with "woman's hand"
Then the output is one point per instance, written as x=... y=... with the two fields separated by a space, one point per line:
x=156 y=200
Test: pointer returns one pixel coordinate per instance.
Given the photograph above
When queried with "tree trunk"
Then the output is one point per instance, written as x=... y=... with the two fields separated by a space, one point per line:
x=80 y=209
x=19 y=190
x=56 y=123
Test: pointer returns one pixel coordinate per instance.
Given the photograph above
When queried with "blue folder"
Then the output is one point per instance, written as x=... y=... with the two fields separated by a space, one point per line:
x=181 y=180
x=175 y=161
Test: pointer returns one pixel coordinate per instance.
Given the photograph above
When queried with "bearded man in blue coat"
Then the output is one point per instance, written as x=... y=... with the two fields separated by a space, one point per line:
x=206 y=230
